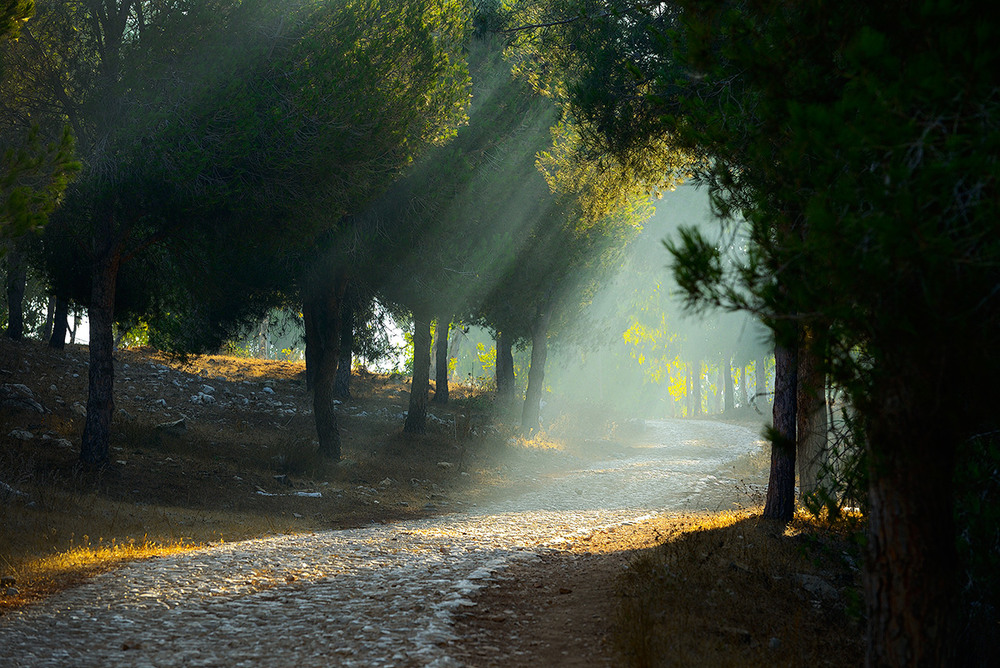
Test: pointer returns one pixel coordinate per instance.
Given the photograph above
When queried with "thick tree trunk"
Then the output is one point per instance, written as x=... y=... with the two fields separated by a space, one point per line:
x=17 y=279
x=60 y=324
x=780 y=502
x=441 y=361
x=912 y=577
x=416 y=418
x=100 y=400
x=321 y=312
x=342 y=385
x=727 y=385
x=811 y=429
x=531 y=413
x=505 y=369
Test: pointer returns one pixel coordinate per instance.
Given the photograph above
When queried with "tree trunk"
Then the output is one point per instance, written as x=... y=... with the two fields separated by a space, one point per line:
x=531 y=414
x=321 y=312
x=311 y=344
x=60 y=323
x=50 y=312
x=76 y=326
x=745 y=382
x=760 y=381
x=100 y=400
x=505 y=369
x=441 y=355
x=780 y=503
x=911 y=582
x=416 y=418
x=727 y=385
x=17 y=279
x=811 y=429
x=342 y=385
x=696 y=386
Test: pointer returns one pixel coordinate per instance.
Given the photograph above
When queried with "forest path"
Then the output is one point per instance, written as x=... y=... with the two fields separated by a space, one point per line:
x=383 y=595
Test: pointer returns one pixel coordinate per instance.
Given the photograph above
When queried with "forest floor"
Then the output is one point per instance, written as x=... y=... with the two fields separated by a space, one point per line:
x=222 y=448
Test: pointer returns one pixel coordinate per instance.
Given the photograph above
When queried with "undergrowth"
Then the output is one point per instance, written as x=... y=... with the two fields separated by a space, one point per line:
x=735 y=590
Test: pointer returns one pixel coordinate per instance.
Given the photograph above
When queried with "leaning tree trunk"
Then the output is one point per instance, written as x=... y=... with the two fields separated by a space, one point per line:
x=811 y=428
x=342 y=384
x=50 y=312
x=441 y=361
x=780 y=502
x=60 y=324
x=17 y=279
x=96 y=440
x=505 y=369
x=416 y=417
x=911 y=581
x=531 y=414
x=321 y=311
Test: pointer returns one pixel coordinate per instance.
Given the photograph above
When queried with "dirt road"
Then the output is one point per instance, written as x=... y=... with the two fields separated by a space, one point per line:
x=384 y=595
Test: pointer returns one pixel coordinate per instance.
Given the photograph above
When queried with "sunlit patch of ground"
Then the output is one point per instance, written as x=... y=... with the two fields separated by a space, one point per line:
x=243 y=466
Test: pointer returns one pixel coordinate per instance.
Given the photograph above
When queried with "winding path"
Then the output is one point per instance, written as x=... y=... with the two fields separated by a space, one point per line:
x=376 y=596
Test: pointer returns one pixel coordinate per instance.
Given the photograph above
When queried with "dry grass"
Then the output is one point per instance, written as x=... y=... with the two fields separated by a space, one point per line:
x=731 y=589
x=230 y=474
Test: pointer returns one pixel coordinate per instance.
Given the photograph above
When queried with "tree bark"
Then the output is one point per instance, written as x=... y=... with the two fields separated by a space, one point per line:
x=760 y=381
x=780 y=502
x=911 y=582
x=745 y=382
x=342 y=385
x=50 y=312
x=531 y=414
x=96 y=440
x=321 y=312
x=60 y=324
x=505 y=369
x=17 y=279
x=416 y=417
x=811 y=428
x=441 y=363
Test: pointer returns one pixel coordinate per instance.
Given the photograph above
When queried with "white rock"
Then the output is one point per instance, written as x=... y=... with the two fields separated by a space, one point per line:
x=21 y=435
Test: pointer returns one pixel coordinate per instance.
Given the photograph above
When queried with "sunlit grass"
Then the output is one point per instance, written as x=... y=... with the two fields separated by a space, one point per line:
x=38 y=577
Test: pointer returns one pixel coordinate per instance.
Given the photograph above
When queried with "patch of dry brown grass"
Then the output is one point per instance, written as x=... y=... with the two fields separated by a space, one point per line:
x=731 y=589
